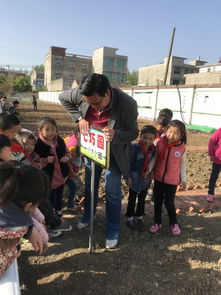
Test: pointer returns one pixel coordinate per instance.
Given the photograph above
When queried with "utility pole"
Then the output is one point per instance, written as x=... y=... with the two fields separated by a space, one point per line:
x=169 y=55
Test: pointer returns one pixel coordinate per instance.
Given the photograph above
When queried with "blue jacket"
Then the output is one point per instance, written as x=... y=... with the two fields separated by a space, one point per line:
x=140 y=183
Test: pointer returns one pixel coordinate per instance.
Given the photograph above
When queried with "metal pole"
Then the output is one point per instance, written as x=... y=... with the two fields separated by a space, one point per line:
x=169 y=55
x=192 y=103
x=156 y=100
x=91 y=235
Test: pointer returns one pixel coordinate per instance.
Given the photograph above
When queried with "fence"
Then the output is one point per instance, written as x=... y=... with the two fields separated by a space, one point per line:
x=193 y=105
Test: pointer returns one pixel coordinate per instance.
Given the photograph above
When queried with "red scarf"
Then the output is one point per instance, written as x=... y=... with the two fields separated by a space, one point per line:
x=166 y=145
x=146 y=152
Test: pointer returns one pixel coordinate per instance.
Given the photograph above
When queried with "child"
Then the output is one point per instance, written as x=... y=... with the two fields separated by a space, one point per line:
x=164 y=118
x=31 y=158
x=169 y=171
x=52 y=147
x=37 y=216
x=142 y=163
x=26 y=187
x=162 y=122
x=166 y=113
x=214 y=151
x=74 y=166
x=10 y=126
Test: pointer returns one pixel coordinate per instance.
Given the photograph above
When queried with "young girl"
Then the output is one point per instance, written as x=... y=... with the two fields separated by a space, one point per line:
x=22 y=188
x=31 y=158
x=214 y=151
x=169 y=171
x=142 y=163
x=52 y=147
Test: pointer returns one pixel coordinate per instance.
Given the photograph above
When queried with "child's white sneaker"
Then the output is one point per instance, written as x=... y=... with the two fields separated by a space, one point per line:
x=82 y=225
x=110 y=244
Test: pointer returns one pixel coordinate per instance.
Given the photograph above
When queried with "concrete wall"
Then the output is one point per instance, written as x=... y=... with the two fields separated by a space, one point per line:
x=200 y=106
x=207 y=78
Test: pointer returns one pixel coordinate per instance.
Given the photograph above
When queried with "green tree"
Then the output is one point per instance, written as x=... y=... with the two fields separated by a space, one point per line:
x=5 y=85
x=22 y=84
x=41 y=88
x=132 y=78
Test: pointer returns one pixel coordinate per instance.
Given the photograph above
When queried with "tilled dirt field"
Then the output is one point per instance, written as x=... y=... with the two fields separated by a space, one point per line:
x=142 y=263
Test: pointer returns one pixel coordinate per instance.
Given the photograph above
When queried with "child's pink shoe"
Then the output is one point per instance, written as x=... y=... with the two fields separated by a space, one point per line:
x=175 y=230
x=154 y=228
x=210 y=198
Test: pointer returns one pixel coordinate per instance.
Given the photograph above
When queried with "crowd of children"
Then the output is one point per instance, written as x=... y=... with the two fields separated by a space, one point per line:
x=35 y=168
x=33 y=172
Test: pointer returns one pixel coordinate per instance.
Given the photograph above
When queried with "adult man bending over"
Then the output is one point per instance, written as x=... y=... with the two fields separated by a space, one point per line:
x=95 y=102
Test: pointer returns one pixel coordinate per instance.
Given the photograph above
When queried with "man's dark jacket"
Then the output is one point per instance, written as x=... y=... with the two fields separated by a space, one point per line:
x=123 y=119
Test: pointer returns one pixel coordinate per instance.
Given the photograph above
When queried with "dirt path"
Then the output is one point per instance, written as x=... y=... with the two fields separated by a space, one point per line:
x=143 y=263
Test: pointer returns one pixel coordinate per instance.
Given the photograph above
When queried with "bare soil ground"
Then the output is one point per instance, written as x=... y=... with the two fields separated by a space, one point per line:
x=142 y=263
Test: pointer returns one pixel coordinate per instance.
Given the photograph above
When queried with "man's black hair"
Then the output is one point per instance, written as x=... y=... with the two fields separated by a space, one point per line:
x=95 y=83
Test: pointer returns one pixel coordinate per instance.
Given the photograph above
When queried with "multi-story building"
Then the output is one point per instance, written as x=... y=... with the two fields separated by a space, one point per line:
x=154 y=75
x=37 y=78
x=11 y=73
x=209 y=74
x=106 y=61
x=62 y=69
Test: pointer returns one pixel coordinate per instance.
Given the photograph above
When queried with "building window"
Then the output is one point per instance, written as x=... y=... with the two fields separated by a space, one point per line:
x=186 y=71
x=176 y=82
x=108 y=62
x=58 y=61
x=71 y=64
x=120 y=78
x=57 y=76
x=71 y=77
x=176 y=70
x=121 y=63
x=209 y=70
x=109 y=75
x=84 y=67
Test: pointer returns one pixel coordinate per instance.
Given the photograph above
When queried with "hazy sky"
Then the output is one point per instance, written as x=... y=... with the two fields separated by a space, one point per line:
x=140 y=29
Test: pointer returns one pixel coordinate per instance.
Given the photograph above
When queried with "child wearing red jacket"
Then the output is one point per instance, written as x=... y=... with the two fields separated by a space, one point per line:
x=214 y=151
x=169 y=172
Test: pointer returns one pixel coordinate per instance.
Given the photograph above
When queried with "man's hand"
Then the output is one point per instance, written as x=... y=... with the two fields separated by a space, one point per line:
x=83 y=126
x=108 y=133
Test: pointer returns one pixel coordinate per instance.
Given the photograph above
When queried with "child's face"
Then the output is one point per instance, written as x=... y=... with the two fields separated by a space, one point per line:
x=160 y=128
x=5 y=153
x=29 y=144
x=173 y=134
x=11 y=132
x=48 y=131
x=147 y=139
